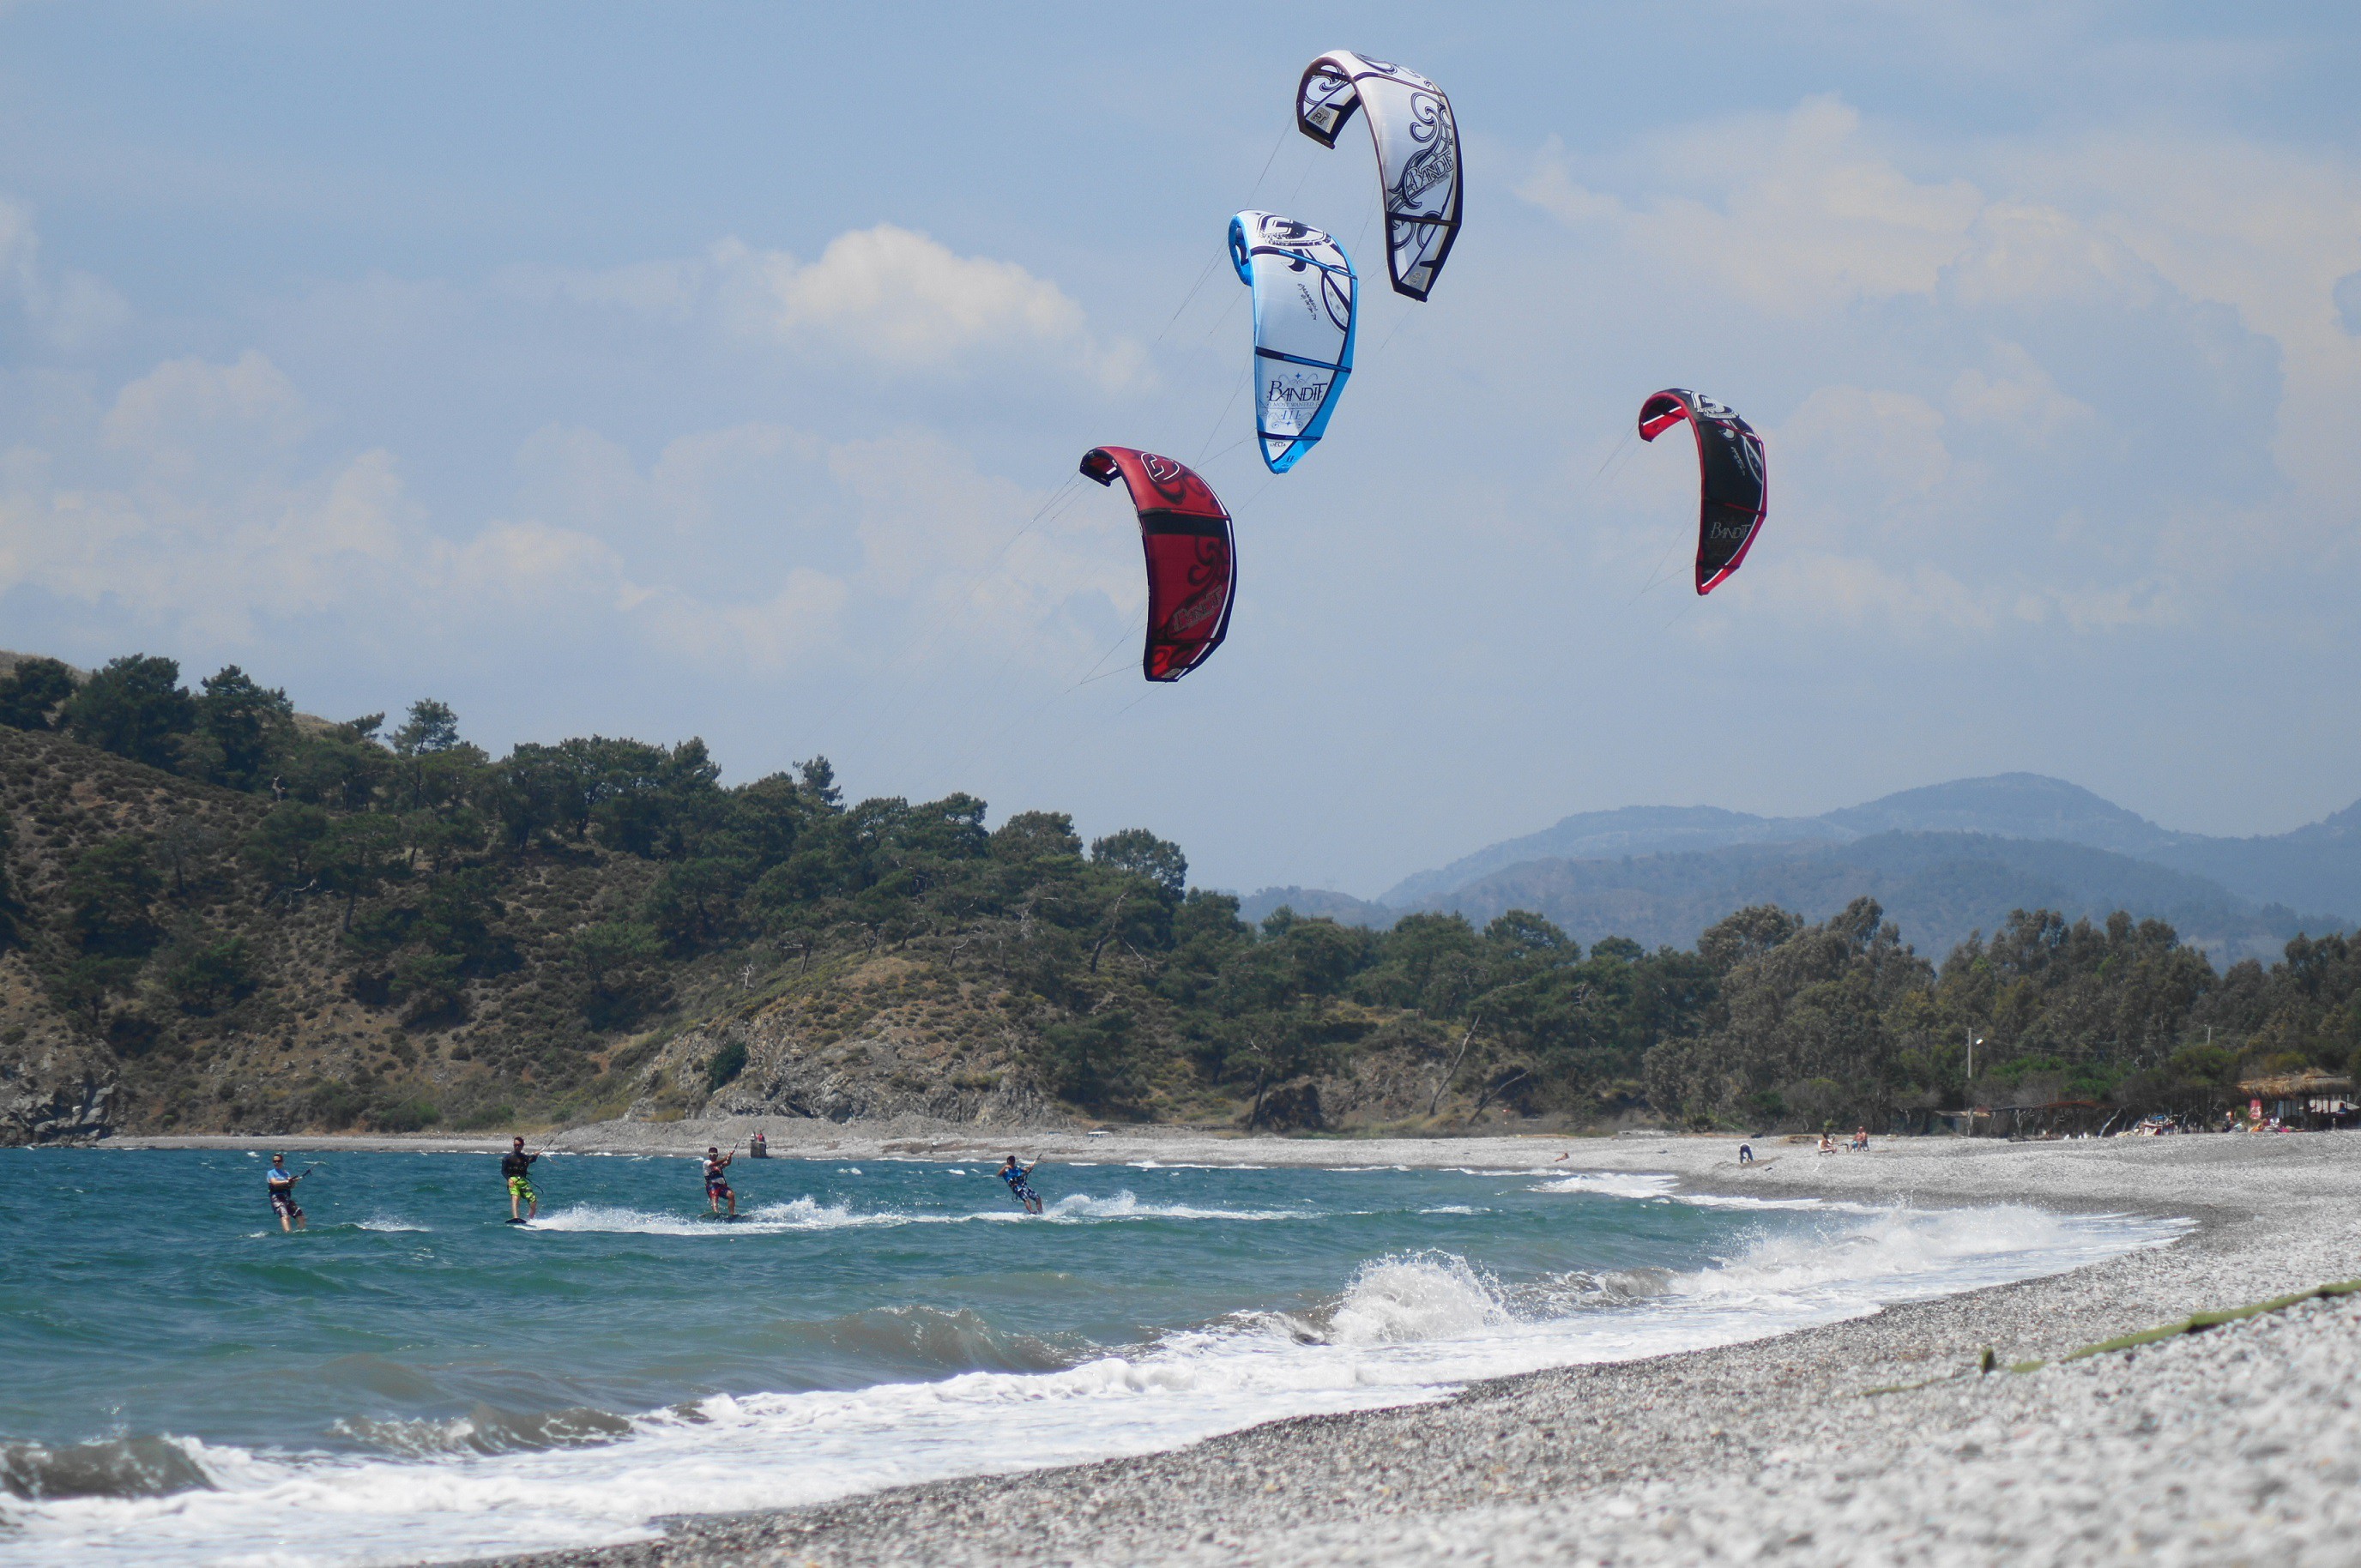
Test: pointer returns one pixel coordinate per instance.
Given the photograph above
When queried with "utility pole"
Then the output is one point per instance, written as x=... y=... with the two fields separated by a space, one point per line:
x=1972 y=1044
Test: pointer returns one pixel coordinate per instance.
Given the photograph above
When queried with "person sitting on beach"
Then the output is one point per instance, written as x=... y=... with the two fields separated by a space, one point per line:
x=282 y=1182
x=1020 y=1184
x=516 y=1166
x=1827 y=1143
x=1860 y=1139
x=716 y=1186
x=1746 y=1154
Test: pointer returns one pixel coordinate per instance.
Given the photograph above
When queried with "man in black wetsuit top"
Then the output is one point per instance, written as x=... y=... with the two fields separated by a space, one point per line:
x=517 y=1167
x=282 y=1182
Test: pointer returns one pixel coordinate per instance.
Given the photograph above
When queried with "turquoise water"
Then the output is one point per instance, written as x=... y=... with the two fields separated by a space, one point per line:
x=181 y=1382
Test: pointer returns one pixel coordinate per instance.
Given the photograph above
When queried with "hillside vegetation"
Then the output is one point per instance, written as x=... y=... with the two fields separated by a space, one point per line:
x=216 y=917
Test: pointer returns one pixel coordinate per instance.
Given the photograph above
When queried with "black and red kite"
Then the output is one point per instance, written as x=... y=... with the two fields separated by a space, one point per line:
x=1732 y=495
x=1191 y=558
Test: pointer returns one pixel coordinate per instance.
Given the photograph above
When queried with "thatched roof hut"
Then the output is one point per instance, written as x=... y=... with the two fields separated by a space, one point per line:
x=2311 y=1083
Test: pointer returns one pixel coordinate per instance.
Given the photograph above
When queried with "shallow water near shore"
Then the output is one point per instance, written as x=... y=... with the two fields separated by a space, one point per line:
x=414 y=1379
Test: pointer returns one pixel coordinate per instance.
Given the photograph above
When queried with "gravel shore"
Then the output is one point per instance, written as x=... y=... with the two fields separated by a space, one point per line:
x=1873 y=1441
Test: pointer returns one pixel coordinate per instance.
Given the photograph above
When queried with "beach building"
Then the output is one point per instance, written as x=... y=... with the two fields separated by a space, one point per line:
x=2310 y=1100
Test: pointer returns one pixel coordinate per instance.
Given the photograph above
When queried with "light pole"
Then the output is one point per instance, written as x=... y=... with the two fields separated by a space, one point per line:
x=1972 y=1044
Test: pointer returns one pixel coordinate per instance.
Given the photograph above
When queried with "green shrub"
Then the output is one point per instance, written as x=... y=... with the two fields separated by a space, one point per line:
x=727 y=1063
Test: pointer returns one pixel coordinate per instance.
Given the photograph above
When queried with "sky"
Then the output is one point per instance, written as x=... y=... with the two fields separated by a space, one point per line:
x=721 y=371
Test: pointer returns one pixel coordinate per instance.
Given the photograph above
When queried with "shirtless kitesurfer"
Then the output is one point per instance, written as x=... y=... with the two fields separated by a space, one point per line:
x=282 y=1182
x=716 y=1186
x=517 y=1167
x=1020 y=1184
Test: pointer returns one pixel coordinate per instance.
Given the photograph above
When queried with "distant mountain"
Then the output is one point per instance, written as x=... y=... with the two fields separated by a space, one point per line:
x=2008 y=806
x=1938 y=887
x=1944 y=860
x=2316 y=867
x=1608 y=835
x=1316 y=902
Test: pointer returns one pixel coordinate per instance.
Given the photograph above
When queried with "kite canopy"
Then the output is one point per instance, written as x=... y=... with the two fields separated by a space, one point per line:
x=1418 y=154
x=1191 y=558
x=1304 y=291
x=1732 y=495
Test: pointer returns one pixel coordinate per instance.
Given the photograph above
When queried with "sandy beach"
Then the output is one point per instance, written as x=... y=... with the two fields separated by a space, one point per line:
x=1876 y=1439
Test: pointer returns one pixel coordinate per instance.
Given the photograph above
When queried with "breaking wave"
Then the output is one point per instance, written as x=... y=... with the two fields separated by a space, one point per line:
x=959 y=1395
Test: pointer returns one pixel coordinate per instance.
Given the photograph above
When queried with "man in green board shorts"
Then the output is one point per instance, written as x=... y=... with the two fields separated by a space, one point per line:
x=517 y=1165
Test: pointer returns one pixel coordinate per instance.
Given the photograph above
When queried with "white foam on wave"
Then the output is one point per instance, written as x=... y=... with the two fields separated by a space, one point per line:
x=1408 y=1328
x=1610 y=1183
x=387 y=1223
x=811 y=1215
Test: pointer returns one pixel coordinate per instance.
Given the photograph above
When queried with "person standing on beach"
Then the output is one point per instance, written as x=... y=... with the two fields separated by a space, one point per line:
x=516 y=1165
x=282 y=1182
x=1020 y=1184
x=716 y=1186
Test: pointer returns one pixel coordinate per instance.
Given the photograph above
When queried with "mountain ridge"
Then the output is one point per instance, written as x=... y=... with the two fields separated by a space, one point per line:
x=2314 y=867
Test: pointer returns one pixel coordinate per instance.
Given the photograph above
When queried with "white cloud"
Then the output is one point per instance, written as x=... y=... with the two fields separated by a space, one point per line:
x=894 y=299
x=73 y=312
x=1805 y=219
x=184 y=403
x=193 y=501
x=2017 y=395
x=898 y=294
x=803 y=620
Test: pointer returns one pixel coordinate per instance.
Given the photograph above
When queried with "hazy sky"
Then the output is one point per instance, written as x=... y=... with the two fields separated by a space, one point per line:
x=671 y=370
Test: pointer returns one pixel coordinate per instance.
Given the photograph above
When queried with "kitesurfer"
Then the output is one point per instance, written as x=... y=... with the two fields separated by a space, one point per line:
x=517 y=1167
x=716 y=1186
x=282 y=1182
x=1020 y=1184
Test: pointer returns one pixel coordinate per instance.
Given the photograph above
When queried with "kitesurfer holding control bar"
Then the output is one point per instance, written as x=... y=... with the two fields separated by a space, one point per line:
x=1020 y=1184
x=282 y=1182
x=516 y=1166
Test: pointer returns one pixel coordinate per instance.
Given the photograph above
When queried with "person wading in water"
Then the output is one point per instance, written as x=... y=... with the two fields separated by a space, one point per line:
x=283 y=1193
x=517 y=1167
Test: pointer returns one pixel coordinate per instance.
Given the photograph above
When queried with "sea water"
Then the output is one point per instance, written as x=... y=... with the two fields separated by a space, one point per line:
x=415 y=1379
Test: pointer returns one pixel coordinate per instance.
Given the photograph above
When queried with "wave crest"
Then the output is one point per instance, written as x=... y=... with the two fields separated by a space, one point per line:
x=115 y=1467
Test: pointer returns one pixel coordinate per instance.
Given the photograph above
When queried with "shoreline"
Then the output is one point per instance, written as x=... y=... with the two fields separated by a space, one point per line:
x=1871 y=1440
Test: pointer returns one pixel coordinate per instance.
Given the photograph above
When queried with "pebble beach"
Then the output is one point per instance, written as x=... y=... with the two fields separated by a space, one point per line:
x=1875 y=1440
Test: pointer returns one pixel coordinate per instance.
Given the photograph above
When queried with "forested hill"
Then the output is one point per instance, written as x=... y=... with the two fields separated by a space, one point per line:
x=216 y=917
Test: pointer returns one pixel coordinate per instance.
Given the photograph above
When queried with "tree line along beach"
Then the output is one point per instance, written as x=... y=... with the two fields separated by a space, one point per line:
x=221 y=915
